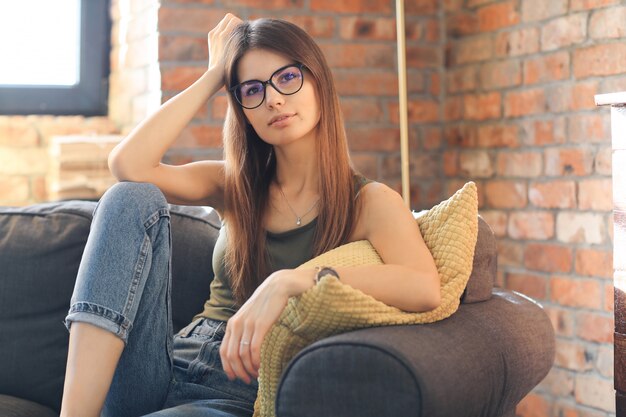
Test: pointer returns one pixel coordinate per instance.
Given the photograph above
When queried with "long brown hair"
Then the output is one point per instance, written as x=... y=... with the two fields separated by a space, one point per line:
x=251 y=163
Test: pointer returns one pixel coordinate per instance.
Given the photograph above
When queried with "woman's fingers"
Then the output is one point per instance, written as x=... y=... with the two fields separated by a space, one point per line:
x=233 y=356
x=232 y=23
x=245 y=353
x=218 y=35
x=260 y=332
x=229 y=356
x=250 y=325
x=238 y=368
x=228 y=17
x=223 y=355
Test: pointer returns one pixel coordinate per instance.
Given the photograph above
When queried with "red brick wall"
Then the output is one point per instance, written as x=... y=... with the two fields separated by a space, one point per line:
x=520 y=120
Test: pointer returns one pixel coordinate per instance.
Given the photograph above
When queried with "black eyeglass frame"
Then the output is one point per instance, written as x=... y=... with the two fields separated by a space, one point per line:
x=298 y=65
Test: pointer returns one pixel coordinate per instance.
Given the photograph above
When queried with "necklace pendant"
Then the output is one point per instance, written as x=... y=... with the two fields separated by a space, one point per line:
x=299 y=221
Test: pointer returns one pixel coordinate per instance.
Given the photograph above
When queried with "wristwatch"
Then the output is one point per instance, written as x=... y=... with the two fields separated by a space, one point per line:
x=326 y=270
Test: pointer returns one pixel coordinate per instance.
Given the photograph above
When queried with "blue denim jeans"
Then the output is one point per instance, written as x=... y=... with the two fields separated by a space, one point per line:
x=123 y=286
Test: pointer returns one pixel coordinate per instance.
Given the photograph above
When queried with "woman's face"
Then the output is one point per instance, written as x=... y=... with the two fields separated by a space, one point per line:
x=280 y=119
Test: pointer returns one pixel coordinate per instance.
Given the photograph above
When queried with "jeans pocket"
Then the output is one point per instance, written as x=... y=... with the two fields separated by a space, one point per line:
x=205 y=362
x=188 y=329
x=207 y=370
x=195 y=351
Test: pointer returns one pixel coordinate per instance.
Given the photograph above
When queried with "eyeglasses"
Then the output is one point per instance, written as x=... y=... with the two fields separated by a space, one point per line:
x=286 y=80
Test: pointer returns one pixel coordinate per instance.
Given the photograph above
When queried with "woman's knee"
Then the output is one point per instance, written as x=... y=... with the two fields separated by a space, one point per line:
x=126 y=195
x=128 y=190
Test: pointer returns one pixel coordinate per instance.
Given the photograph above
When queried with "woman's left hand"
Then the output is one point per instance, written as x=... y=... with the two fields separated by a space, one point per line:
x=252 y=322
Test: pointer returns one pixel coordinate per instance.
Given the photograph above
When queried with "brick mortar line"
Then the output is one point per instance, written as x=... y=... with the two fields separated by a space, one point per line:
x=547 y=275
x=569 y=309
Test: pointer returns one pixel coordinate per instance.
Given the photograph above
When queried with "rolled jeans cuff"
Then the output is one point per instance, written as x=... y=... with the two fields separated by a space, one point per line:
x=101 y=317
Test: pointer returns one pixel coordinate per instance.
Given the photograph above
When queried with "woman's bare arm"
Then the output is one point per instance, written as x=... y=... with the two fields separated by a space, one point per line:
x=138 y=157
x=408 y=279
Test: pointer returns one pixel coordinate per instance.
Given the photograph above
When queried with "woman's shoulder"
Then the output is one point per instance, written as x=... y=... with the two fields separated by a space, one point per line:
x=378 y=194
x=360 y=181
x=379 y=203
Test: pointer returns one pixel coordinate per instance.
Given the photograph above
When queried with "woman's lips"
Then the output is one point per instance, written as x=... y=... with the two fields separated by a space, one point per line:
x=281 y=120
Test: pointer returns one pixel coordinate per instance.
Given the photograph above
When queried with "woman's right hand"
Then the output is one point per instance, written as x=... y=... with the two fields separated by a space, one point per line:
x=217 y=39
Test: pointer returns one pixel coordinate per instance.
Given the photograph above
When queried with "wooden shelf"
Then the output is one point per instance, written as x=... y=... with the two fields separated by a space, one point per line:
x=611 y=99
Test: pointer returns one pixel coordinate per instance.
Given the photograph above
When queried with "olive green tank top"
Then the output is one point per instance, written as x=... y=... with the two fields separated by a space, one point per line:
x=286 y=250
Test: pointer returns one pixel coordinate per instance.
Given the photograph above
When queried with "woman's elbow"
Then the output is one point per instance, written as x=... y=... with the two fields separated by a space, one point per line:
x=428 y=303
x=434 y=300
x=117 y=167
x=430 y=296
x=113 y=163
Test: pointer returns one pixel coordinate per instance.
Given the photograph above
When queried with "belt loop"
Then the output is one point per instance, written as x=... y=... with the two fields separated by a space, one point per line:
x=219 y=331
x=187 y=330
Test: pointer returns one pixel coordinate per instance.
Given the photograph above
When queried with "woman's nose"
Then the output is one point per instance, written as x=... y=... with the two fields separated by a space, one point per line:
x=273 y=97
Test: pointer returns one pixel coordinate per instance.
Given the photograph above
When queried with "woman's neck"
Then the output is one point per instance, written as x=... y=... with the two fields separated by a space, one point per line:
x=297 y=167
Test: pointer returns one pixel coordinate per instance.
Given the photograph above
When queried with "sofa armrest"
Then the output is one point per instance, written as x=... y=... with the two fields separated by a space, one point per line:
x=483 y=275
x=479 y=362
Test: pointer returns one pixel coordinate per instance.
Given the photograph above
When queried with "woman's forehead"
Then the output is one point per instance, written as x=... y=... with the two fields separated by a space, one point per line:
x=260 y=64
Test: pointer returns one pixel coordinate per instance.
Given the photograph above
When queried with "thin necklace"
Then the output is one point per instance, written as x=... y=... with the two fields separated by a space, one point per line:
x=298 y=218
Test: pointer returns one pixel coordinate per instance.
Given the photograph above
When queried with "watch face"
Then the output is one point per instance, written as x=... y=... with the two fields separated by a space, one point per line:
x=327 y=271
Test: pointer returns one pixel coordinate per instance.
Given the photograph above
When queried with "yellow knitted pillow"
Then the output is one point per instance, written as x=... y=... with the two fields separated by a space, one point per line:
x=449 y=230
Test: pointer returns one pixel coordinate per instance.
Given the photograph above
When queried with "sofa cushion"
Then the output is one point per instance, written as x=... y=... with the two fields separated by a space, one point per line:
x=194 y=232
x=40 y=250
x=16 y=407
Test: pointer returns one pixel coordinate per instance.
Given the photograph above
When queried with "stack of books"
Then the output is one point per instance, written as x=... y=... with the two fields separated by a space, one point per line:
x=78 y=167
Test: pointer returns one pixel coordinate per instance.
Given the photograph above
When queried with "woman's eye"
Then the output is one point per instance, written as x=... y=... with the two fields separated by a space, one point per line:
x=251 y=90
x=287 y=76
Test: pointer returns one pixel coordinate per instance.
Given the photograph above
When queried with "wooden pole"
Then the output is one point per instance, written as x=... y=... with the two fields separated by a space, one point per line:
x=402 y=95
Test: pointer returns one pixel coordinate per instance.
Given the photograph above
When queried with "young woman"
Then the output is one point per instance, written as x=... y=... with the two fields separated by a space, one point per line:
x=286 y=192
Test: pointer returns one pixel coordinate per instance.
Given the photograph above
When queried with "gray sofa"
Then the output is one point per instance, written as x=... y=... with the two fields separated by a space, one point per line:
x=480 y=362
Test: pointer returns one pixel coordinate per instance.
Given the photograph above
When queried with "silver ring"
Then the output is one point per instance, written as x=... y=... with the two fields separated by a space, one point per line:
x=244 y=343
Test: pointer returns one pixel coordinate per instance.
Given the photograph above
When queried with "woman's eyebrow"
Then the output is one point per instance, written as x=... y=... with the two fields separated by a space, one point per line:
x=243 y=80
